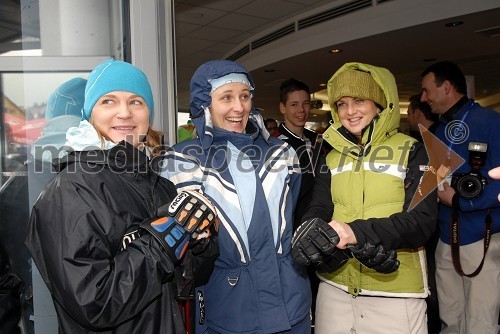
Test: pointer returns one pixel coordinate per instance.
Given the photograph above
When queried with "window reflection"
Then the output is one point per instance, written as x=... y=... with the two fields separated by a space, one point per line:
x=43 y=45
x=24 y=116
x=37 y=110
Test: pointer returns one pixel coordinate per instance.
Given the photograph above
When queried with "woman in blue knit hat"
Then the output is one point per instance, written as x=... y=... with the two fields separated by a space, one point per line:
x=253 y=179
x=100 y=233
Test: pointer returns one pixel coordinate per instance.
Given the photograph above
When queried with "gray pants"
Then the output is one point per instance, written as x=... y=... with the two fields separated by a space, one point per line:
x=469 y=305
x=338 y=312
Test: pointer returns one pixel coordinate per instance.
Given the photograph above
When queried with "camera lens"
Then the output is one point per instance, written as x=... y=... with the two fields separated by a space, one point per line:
x=469 y=186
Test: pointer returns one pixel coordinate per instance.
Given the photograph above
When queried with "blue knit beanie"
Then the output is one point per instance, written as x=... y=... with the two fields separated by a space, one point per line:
x=114 y=75
x=67 y=99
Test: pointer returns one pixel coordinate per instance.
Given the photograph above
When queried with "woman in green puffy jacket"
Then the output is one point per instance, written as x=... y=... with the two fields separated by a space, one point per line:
x=375 y=173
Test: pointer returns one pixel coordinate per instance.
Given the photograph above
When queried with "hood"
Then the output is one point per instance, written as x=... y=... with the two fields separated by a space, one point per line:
x=386 y=123
x=200 y=99
x=85 y=138
x=83 y=145
x=66 y=134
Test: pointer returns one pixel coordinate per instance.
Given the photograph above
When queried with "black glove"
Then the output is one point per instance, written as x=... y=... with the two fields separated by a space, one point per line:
x=376 y=257
x=190 y=214
x=193 y=211
x=312 y=240
x=334 y=261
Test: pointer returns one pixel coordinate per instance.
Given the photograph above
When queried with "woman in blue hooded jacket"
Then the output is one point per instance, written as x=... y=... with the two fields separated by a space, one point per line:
x=254 y=180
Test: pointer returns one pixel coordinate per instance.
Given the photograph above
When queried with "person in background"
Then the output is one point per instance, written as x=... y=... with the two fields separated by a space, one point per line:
x=376 y=172
x=467 y=261
x=295 y=105
x=494 y=173
x=253 y=179
x=272 y=127
x=19 y=194
x=185 y=132
x=102 y=233
x=325 y=147
x=420 y=113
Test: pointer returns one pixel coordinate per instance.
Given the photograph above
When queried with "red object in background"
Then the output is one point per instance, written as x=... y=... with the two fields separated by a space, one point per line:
x=23 y=132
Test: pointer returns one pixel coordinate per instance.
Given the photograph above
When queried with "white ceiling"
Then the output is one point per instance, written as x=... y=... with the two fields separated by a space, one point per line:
x=401 y=36
x=209 y=29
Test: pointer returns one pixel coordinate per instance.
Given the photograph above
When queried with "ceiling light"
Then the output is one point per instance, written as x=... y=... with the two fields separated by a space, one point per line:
x=322 y=84
x=454 y=24
x=335 y=50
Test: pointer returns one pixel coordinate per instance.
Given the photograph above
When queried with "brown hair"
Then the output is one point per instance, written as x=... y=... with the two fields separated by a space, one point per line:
x=154 y=141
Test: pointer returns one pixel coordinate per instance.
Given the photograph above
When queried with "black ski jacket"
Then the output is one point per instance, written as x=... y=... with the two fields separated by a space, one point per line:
x=75 y=236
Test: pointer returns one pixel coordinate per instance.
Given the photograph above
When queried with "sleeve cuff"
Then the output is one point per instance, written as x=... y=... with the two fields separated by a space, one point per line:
x=360 y=237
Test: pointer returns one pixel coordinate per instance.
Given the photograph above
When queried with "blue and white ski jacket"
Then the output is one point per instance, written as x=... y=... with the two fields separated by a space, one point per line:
x=254 y=182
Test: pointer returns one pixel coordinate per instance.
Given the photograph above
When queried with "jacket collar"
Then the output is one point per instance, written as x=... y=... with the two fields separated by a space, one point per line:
x=448 y=115
x=251 y=133
x=123 y=157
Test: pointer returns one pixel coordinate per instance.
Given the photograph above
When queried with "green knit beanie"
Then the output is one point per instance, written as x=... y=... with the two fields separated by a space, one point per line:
x=356 y=84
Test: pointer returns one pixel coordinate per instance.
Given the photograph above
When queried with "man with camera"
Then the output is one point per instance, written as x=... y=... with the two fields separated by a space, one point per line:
x=467 y=255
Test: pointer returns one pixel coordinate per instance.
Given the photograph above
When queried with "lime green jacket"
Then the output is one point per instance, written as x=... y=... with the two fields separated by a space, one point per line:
x=368 y=182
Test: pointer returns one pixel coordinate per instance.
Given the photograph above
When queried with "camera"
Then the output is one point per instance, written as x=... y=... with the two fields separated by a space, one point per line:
x=470 y=185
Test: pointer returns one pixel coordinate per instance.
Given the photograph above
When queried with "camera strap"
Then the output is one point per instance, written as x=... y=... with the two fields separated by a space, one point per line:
x=455 y=242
